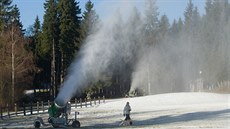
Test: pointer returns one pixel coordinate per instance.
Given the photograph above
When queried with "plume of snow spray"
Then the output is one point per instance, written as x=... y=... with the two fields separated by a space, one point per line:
x=170 y=65
x=101 y=53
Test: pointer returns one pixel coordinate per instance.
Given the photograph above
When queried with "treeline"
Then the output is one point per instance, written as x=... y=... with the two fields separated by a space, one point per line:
x=40 y=60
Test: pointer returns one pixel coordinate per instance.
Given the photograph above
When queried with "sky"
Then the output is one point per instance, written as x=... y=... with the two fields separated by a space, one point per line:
x=174 y=9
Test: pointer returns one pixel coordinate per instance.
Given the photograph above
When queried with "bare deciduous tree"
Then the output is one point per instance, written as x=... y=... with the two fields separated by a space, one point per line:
x=16 y=67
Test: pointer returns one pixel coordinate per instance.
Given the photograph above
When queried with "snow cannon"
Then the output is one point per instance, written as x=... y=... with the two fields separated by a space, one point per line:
x=55 y=110
x=58 y=108
x=59 y=113
x=58 y=116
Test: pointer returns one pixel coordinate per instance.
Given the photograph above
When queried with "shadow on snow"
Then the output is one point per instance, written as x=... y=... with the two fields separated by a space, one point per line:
x=168 y=119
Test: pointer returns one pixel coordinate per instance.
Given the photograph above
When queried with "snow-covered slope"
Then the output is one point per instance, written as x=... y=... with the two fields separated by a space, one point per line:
x=179 y=110
x=172 y=110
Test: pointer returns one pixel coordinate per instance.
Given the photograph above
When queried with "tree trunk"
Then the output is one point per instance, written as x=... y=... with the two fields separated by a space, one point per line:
x=53 y=79
x=13 y=68
x=62 y=69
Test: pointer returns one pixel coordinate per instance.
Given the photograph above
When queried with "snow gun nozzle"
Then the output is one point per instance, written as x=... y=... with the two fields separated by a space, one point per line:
x=59 y=103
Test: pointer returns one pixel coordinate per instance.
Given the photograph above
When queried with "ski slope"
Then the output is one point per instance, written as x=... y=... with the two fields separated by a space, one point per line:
x=175 y=110
x=172 y=110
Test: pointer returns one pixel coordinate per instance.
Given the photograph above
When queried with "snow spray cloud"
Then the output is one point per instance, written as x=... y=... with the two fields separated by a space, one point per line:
x=178 y=66
x=102 y=53
x=198 y=53
x=172 y=64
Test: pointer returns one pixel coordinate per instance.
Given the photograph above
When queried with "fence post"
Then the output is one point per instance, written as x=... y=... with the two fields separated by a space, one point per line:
x=103 y=99
x=94 y=101
x=15 y=109
x=1 y=112
x=24 y=109
x=48 y=103
x=43 y=107
x=85 y=102
x=31 y=108
x=75 y=102
x=37 y=107
x=8 y=112
x=81 y=102
x=99 y=99
x=90 y=102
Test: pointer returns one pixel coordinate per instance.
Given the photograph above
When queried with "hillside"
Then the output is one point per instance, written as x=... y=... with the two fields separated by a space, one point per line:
x=172 y=110
x=179 y=110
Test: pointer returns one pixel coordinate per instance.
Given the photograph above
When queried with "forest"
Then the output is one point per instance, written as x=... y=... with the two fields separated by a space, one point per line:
x=151 y=56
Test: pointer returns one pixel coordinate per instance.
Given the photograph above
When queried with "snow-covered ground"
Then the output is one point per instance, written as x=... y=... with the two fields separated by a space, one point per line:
x=173 y=110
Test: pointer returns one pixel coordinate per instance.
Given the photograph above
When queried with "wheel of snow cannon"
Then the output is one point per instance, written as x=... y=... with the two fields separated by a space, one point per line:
x=37 y=124
x=76 y=124
x=130 y=123
x=50 y=120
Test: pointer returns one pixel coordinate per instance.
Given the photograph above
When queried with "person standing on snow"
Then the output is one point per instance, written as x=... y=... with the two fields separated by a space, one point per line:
x=126 y=111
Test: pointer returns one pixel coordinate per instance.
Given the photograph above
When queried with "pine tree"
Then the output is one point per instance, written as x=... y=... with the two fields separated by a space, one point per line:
x=151 y=22
x=35 y=32
x=89 y=21
x=5 y=13
x=49 y=30
x=36 y=26
x=151 y=16
x=163 y=27
x=176 y=28
x=46 y=49
x=15 y=16
x=68 y=12
x=188 y=15
x=208 y=6
x=35 y=37
x=9 y=14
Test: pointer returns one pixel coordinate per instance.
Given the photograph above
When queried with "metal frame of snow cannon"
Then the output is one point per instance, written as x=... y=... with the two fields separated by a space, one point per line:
x=58 y=117
x=63 y=121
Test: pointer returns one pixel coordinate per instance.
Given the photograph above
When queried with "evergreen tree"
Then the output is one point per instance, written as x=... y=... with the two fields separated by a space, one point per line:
x=192 y=18
x=163 y=27
x=188 y=15
x=15 y=16
x=35 y=37
x=176 y=28
x=49 y=29
x=151 y=16
x=36 y=27
x=36 y=32
x=68 y=12
x=46 y=49
x=196 y=16
x=208 y=6
x=151 y=22
x=220 y=11
x=226 y=10
x=5 y=13
x=89 y=21
x=9 y=14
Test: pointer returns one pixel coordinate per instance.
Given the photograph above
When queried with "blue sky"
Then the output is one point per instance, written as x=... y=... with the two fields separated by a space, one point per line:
x=174 y=9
